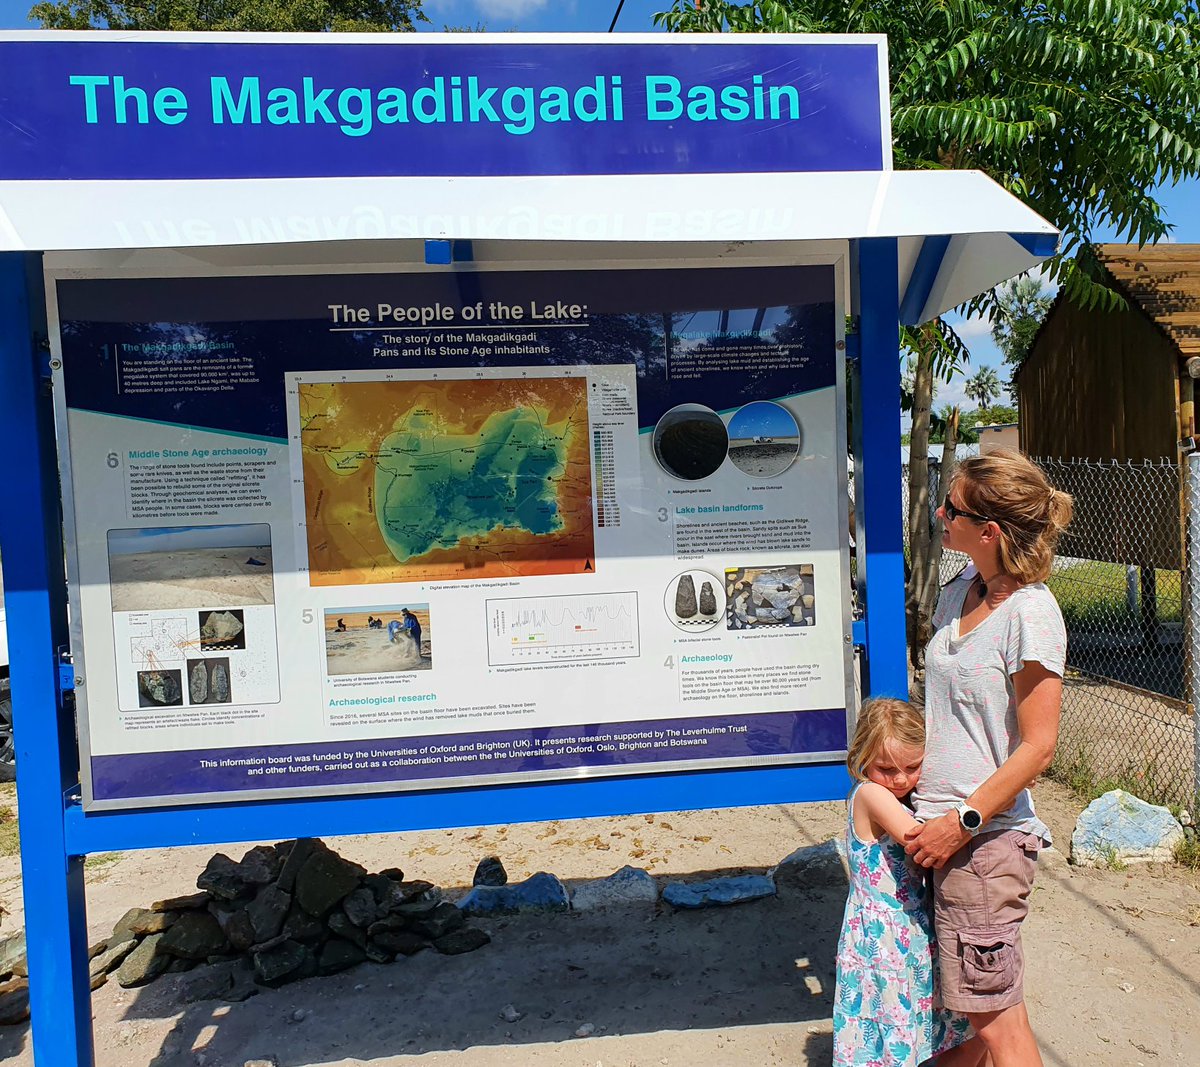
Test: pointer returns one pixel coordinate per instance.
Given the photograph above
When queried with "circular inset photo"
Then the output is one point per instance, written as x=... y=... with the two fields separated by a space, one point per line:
x=690 y=442
x=695 y=600
x=764 y=439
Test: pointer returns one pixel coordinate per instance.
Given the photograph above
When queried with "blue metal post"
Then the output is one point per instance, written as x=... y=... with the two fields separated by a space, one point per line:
x=35 y=597
x=881 y=504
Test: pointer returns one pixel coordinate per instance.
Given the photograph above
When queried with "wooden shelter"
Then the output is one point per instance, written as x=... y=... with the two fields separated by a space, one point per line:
x=1113 y=386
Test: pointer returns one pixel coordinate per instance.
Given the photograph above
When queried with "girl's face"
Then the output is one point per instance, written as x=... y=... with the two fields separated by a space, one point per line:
x=961 y=526
x=896 y=767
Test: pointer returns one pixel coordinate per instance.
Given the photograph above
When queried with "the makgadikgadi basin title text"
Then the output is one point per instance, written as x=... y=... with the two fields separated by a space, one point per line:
x=357 y=110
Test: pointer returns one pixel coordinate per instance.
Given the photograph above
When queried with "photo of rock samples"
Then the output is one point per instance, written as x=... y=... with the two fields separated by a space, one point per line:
x=159 y=689
x=764 y=439
x=695 y=600
x=690 y=442
x=760 y=597
x=222 y=631
x=382 y=640
x=168 y=567
x=208 y=681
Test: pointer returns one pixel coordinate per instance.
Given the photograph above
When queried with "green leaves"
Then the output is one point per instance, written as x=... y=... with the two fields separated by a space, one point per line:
x=360 y=16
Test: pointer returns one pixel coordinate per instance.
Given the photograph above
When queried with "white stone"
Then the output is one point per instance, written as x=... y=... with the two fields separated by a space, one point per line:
x=629 y=885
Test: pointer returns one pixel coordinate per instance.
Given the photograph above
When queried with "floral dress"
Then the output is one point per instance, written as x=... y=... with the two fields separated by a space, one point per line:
x=887 y=1011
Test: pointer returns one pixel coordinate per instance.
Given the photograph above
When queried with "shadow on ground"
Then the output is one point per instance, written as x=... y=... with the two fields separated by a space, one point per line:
x=624 y=972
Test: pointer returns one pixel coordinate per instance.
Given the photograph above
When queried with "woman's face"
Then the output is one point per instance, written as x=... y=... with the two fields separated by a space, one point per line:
x=962 y=527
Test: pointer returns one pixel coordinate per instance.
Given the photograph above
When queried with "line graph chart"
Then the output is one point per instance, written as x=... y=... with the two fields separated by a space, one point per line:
x=573 y=627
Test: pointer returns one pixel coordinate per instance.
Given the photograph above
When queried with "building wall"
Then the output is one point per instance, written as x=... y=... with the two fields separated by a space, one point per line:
x=1102 y=387
x=990 y=437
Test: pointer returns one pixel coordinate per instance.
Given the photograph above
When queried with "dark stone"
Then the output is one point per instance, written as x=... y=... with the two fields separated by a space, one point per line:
x=378 y=955
x=262 y=864
x=443 y=919
x=685 y=597
x=196 y=935
x=286 y=962
x=464 y=939
x=143 y=964
x=153 y=922
x=190 y=902
x=300 y=926
x=179 y=965
x=539 y=892
x=381 y=888
x=225 y=879
x=298 y=853
x=212 y=983
x=360 y=907
x=394 y=873
x=105 y=961
x=123 y=930
x=267 y=912
x=417 y=909
x=14 y=1002
x=387 y=923
x=708 y=600
x=400 y=942
x=222 y=957
x=338 y=955
x=345 y=929
x=236 y=925
x=490 y=872
x=324 y=880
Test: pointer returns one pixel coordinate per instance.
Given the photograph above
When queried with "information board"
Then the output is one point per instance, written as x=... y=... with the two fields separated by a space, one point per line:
x=346 y=532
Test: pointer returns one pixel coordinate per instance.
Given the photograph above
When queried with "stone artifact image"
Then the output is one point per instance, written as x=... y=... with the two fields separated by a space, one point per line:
x=685 y=597
x=382 y=640
x=690 y=442
x=759 y=597
x=764 y=439
x=690 y=610
x=222 y=630
x=208 y=681
x=159 y=689
x=169 y=567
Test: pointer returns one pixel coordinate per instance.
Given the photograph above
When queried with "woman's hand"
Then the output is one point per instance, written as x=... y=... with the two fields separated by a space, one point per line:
x=933 y=843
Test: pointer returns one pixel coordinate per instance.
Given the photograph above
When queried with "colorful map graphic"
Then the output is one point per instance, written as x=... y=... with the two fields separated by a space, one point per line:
x=439 y=480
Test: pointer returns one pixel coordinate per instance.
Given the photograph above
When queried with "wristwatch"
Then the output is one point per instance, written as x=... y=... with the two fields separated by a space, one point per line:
x=969 y=819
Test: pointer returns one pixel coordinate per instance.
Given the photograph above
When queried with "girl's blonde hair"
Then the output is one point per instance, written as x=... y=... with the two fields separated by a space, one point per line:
x=1013 y=491
x=880 y=720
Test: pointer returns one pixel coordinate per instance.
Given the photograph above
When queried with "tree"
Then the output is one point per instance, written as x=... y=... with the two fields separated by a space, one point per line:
x=1021 y=305
x=982 y=386
x=1078 y=107
x=359 y=16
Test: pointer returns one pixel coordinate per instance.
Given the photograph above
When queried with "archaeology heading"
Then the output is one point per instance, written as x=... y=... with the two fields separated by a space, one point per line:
x=166 y=106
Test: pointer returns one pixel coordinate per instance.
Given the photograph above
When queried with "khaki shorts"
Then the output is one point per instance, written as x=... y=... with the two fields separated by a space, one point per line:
x=980 y=898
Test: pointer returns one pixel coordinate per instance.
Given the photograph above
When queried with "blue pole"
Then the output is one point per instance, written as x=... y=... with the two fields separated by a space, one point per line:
x=881 y=501
x=35 y=597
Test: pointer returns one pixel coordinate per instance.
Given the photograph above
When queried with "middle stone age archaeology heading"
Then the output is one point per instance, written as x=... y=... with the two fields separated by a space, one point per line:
x=357 y=110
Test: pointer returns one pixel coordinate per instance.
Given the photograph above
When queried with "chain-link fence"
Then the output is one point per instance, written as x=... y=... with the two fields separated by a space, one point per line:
x=1120 y=580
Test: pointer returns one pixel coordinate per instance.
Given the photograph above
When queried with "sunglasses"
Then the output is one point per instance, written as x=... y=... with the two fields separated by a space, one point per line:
x=953 y=512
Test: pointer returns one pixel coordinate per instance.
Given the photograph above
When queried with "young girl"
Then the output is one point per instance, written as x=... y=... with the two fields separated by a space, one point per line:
x=887 y=1012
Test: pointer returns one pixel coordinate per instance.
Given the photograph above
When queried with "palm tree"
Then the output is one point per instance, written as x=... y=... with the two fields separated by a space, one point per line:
x=982 y=386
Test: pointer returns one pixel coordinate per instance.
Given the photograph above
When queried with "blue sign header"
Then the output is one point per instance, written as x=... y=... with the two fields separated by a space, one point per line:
x=83 y=107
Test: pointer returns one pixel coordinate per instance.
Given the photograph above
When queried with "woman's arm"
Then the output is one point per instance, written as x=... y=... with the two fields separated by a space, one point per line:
x=1039 y=701
x=877 y=811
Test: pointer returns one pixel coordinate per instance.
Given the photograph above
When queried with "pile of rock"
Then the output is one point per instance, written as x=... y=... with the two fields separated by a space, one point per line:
x=281 y=913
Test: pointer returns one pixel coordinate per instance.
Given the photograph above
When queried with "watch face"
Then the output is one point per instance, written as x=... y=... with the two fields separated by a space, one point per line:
x=971 y=819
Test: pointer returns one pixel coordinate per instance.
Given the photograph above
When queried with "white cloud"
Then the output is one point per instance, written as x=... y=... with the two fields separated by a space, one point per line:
x=975 y=326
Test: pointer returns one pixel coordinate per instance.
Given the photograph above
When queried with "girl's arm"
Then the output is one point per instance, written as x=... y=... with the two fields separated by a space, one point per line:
x=1039 y=701
x=877 y=812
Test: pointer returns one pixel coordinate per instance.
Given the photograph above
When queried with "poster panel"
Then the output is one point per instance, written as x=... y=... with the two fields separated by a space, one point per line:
x=351 y=532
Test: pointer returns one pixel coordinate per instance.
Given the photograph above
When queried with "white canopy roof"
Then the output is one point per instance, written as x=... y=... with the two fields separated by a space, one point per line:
x=981 y=234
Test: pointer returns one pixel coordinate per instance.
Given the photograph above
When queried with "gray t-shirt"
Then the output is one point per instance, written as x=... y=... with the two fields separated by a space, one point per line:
x=970 y=706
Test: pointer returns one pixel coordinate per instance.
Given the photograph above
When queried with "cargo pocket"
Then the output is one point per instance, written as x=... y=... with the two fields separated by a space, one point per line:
x=989 y=963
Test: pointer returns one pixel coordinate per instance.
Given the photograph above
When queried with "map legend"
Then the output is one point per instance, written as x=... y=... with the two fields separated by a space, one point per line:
x=608 y=511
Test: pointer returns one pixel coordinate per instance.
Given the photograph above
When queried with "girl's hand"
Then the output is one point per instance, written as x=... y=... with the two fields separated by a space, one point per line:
x=932 y=844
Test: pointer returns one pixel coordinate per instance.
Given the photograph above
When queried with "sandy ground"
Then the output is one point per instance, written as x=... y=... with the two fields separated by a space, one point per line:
x=198 y=578
x=1112 y=974
x=763 y=460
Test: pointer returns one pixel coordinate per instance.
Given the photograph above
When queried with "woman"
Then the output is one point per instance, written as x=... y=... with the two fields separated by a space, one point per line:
x=993 y=692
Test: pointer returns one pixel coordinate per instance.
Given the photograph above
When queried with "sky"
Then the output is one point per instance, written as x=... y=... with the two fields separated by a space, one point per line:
x=1181 y=203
